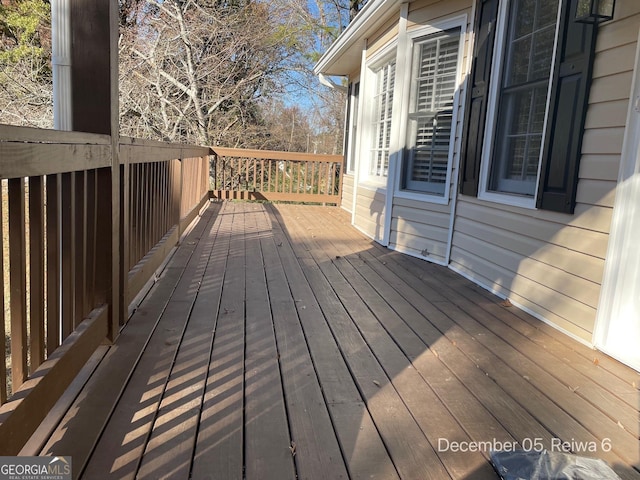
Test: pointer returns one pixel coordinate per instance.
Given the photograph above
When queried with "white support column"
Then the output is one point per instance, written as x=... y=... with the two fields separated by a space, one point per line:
x=61 y=63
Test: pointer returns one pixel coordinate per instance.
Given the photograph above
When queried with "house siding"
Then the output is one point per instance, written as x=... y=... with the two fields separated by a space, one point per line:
x=347 y=193
x=369 y=213
x=387 y=34
x=425 y=12
x=551 y=263
x=420 y=231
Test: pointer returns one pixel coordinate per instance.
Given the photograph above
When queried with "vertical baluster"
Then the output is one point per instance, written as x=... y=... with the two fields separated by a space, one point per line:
x=334 y=177
x=314 y=180
x=18 y=282
x=67 y=247
x=139 y=212
x=306 y=172
x=175 y=196
x=164 y=196
x=132 y=215
x=3 y=333
x=154 y=205
x=145 y=209
x=90 y=252
x=80 y=260
x=36 y=270
x=276 y=171
x=255 y=175
x=53 y=263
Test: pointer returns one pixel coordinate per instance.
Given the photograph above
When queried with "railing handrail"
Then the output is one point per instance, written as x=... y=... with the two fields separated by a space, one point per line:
x=27 y=151
x=274 y=154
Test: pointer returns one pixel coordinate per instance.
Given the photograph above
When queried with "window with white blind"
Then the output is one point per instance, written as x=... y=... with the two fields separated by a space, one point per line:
x=430 y=123
x=382 y=103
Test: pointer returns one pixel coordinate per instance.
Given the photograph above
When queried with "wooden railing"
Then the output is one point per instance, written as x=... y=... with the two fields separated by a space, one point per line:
x=85 y=224
x=276 y=176
x=168 y=185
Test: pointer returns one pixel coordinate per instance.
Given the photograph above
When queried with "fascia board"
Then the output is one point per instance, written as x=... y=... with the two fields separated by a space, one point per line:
x=374 y=13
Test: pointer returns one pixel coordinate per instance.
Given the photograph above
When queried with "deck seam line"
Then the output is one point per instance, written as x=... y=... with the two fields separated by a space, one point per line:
x=342 y=353
x=276 y=215
x=213 y=336
x=267 y=220
x=391 y=337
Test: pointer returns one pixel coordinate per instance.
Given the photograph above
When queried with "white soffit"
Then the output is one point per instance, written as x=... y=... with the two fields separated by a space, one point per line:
x=345 y=54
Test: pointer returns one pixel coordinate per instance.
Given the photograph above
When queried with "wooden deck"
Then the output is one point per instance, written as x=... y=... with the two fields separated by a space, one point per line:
x=280 y=343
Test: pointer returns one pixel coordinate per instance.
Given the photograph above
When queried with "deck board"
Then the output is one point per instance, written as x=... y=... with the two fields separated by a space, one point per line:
x=374 y=360
x=363 y=449
x=268 y=447
x=219 y=445
x=281 y=343
x=316 y=445
x=573 y=419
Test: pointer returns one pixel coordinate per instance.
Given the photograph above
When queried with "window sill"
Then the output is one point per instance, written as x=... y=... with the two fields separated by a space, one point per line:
x=422 y=197
x=508 y=199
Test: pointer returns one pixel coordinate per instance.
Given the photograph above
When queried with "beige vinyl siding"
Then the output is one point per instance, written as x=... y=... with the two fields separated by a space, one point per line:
x=425 y=12
x=538 y=262
x=420 y=229
x=347 y=192
x=369 y=214
x=548 y=262
x=537 y=298
x=387 y=34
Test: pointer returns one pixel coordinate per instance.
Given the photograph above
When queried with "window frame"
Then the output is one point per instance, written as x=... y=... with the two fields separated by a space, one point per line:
x=415 y=36
x=491 y=128
x=352 y=126
x=384 y=57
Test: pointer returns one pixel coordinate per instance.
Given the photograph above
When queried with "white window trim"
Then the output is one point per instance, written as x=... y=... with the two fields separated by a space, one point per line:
x=492 y=117
x=412 y=35
x=386 y=54
x=354 y=107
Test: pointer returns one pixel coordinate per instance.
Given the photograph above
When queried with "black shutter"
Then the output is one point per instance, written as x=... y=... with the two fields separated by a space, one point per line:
x=477 y=94
x=567 y=113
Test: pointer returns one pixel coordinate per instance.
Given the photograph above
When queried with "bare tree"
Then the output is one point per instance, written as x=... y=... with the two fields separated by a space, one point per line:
x=26 y=86
x=194 y=71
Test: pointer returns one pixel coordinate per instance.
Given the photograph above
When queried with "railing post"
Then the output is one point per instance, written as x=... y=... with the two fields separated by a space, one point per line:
x=95 y=110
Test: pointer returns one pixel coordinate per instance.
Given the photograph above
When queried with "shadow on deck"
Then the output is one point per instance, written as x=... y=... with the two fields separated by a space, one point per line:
x=279 y=343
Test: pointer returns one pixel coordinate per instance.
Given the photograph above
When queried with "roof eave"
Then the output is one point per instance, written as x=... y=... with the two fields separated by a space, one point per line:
x=374 y=13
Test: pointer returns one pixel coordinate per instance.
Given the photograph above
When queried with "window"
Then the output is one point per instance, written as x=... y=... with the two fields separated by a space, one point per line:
x=523 y=96
x=382 y=103
x=429 y=132
x=527 y=102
